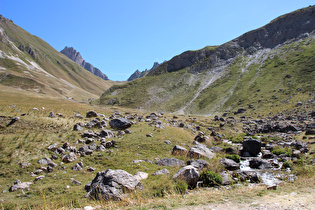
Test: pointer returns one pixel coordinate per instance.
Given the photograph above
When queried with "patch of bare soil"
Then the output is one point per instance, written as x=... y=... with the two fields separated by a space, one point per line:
x=299 y=199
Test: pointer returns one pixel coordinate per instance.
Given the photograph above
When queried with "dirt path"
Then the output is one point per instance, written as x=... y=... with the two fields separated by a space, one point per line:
x=295 y=200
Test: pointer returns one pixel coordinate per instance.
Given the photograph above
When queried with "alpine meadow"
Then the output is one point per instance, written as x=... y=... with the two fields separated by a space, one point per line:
x=224 y=127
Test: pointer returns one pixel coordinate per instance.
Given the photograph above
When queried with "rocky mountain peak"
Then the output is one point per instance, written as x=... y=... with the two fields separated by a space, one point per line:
x=137 y=74
x=75 y=56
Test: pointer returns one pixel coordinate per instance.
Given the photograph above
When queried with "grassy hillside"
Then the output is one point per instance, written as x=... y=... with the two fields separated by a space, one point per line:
x=277 y=79
x=27 y=140
x=29 y=63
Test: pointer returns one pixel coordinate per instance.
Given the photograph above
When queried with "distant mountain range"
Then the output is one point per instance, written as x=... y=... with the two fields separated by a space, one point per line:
x=71 y=53
x=272 y=66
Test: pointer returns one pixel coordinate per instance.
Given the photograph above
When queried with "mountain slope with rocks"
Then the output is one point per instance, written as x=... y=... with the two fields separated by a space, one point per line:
x=71 y=53
x=272 y=66
x=27 y=63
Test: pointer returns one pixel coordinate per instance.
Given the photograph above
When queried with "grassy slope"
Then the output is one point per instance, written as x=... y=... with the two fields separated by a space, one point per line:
x=27 y=140
x=53 y=62
x=264 y=81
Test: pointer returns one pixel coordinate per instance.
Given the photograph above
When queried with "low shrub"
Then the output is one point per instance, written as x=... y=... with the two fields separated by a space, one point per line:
x=234 y=157
x=210 y=178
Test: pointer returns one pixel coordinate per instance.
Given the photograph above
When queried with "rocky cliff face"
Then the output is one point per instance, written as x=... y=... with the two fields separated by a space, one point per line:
x=137 y=74
x=71 y=53
x=281 y=30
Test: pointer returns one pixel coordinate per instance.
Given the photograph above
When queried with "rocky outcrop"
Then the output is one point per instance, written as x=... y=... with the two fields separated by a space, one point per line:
x=111 y=184
x=75 y=56
x=283 y=29
x=137 y=74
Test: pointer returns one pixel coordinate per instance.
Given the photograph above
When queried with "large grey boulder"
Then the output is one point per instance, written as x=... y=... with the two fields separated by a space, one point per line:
x=111 y=184
x=189 y=174
x=120 y=123
x=170 y=162
x=200 y=150
x=251 y=147
x=229 y=164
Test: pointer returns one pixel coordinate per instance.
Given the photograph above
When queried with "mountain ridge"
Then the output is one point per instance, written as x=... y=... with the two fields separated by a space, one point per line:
x=75 y=56
x=276 y=32
x=219 y=78
x=27 y=63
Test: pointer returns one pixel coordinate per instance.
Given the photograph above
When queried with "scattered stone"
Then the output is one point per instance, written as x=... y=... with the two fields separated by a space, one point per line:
x=200 y=150
x=18 y=185
x=77 y=167
x=189 y=174
x=179 y=150
x=52 y=115
x=78 y=115
x=111 y=184
x=39 y=178
x=161 y=172
x=70 y=157
x=39 y=171
x=78 y=127
x=229 y=164
x=199 y=164
x=168 y=142
x=257 y=163
x=24 y=165
x=120 y=123
x=141 y=175
x=91 y=114
x=272 y=187
x=44 y=161
x=90 y=169
x=107 y=134
x=13 y=120
x=76 y=182
x=251 y=147
x=170 y=162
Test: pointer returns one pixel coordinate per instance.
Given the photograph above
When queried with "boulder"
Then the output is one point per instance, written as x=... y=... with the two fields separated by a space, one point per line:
x=189 y=174
x=78 y=127
x=199 y=164
x=258 y=163
x=226 y=178
x=107 y=134
x=170 y=162
x=18 y=185
x=229 y=164
x=251 y=147
x=44 y=161
x=200 y=150
x=120 y=123
x=70 y=157
x=161 y=172
x=179 y=150
x=111 y=184
x=140 y=175
x=91 y=114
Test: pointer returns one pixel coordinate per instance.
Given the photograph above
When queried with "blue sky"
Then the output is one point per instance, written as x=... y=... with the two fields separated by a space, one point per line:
x=121 y=36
